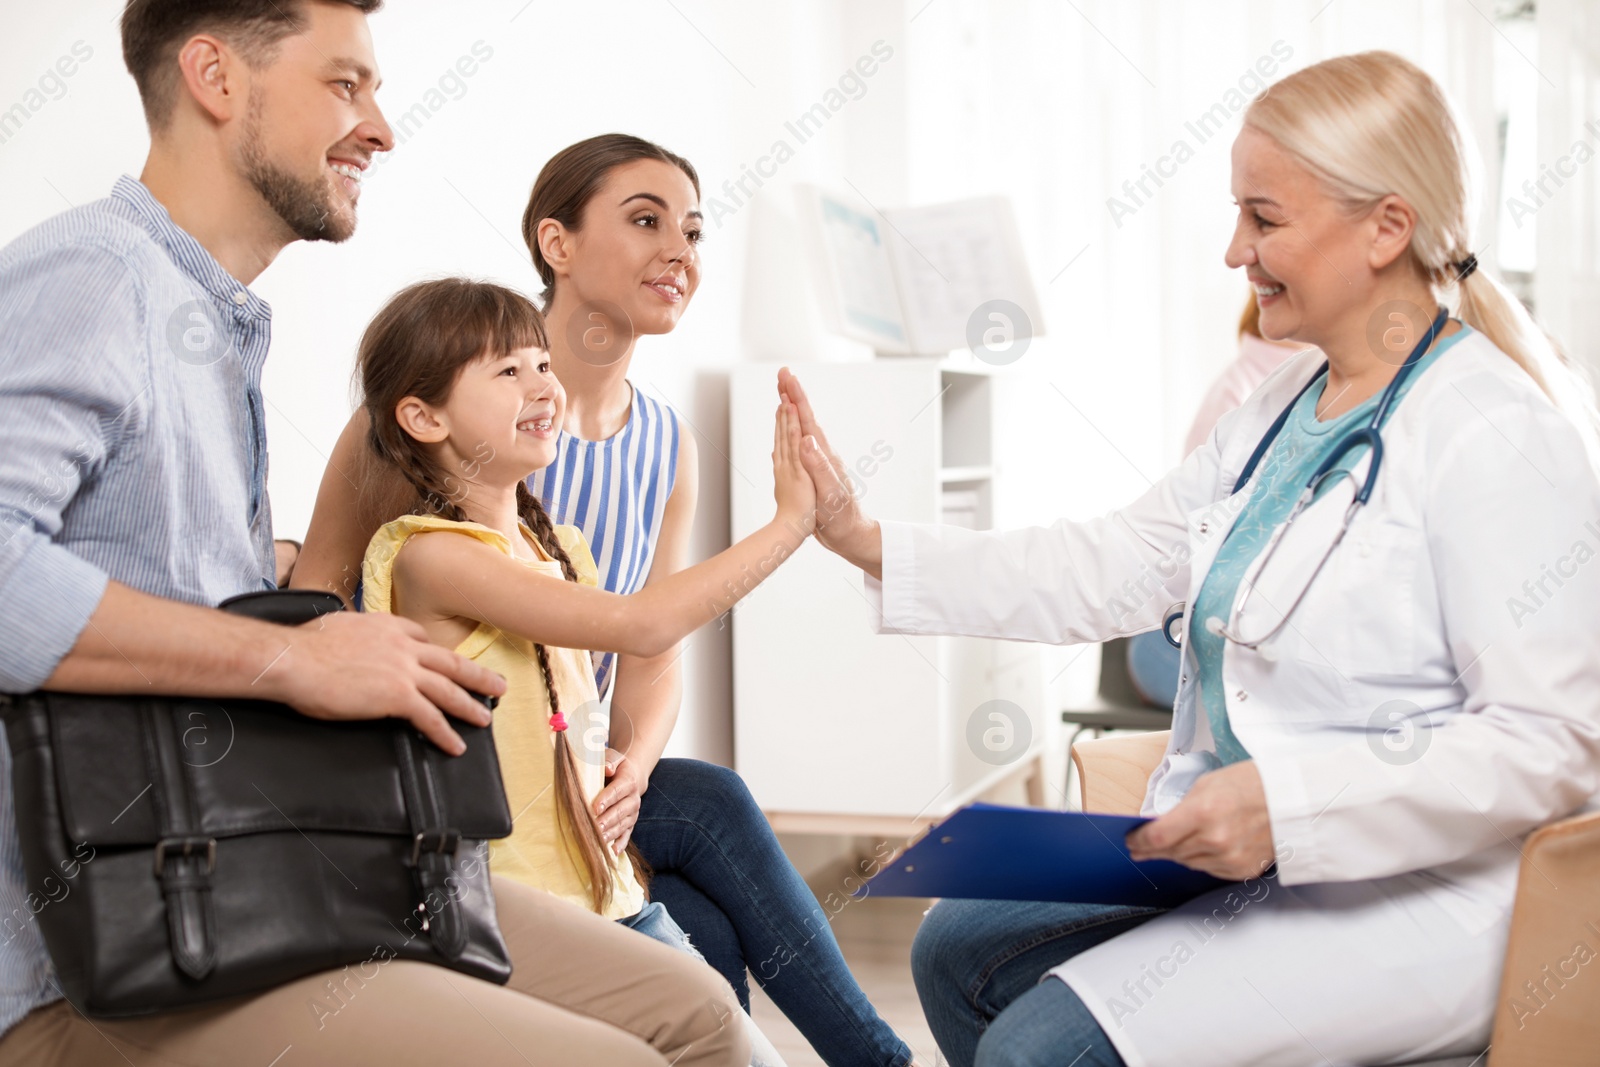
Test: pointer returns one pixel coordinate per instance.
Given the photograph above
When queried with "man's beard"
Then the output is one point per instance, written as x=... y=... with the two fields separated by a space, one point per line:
x=308 y=208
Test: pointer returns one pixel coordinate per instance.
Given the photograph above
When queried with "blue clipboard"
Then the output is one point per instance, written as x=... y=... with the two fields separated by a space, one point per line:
x=993 y=852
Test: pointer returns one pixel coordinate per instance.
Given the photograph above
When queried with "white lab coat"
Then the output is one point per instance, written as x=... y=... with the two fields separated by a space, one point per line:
x=1468 y=586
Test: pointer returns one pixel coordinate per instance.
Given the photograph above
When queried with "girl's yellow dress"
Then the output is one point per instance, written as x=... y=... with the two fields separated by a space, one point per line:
x=538 y=852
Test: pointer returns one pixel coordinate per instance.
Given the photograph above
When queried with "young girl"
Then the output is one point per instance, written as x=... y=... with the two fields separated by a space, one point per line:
x=613 y=224
x=460 y=400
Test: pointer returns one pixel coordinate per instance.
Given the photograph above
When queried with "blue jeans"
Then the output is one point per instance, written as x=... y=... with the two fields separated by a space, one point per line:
x=978 y=964
x=656 y=923
x=721 y=873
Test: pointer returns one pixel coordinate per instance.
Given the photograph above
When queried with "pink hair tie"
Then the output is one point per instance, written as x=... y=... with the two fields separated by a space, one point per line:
x=558 y=722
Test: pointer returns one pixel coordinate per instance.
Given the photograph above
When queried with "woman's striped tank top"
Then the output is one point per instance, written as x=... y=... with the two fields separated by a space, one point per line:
x=615 y=491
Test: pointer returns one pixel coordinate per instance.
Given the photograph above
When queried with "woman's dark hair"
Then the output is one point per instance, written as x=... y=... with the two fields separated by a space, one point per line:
x=154 y=30
x=417 y=346
x=569 y=181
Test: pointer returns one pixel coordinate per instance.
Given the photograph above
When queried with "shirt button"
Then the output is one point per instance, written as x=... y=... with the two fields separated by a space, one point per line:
x=1205 y=526
x=1241 y=695
x=241 y=298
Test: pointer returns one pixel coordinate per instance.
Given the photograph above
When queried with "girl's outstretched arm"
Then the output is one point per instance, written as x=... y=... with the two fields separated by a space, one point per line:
x=461 y=577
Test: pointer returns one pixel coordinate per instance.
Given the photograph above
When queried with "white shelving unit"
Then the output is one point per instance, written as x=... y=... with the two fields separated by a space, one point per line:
x=838 y=729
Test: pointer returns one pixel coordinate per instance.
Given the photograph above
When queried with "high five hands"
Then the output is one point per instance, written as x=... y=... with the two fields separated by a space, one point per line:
x=841 y=525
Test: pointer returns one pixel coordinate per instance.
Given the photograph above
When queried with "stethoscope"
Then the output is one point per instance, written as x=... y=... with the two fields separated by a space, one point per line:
x=1366 y=435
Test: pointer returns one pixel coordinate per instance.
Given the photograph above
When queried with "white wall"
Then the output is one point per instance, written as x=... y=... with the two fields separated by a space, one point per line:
x=1055 y=104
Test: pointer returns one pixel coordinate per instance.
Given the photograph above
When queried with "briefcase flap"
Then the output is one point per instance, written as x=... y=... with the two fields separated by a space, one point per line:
x=253 y=767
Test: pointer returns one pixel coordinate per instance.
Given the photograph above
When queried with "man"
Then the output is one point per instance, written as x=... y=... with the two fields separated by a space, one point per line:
x=133 y=496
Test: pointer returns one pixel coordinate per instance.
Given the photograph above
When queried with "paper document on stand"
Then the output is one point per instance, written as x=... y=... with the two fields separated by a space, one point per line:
x=920 y=280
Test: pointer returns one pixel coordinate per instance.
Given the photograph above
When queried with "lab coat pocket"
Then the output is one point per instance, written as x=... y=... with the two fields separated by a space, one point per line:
x=1373 y=584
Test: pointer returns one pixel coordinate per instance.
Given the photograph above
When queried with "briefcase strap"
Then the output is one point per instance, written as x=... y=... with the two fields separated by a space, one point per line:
x=434 y=845
x=184 y=858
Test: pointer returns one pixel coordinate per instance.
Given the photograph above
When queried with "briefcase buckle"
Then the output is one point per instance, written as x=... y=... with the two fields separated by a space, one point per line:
x=441 y=841
x=185 y=847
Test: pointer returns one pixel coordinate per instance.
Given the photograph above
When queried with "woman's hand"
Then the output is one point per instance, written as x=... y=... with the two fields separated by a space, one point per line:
x=1221 y=827
x=791 y=485
x=841 y=526
x=616 y=809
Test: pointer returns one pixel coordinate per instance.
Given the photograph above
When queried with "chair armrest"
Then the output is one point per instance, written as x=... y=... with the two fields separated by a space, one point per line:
x=1113 y=771
x=1554 y=942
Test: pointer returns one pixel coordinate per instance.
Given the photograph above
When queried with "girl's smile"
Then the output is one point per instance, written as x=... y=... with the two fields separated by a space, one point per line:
x=539 y=425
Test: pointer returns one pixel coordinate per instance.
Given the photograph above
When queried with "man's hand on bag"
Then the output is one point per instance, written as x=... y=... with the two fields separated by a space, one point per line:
x=346 y=666
x=1221 y=827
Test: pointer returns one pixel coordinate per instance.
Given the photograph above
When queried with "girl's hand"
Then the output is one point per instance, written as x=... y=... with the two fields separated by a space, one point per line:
x=616 y=809
x=841 y=525
x=1221 y=827
x=792 y=486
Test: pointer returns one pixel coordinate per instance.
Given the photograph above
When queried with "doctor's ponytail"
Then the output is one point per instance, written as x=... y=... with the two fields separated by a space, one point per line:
x=1344 y=119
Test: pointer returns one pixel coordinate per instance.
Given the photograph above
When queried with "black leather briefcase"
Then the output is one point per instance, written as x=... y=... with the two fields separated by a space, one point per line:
x=182 y=850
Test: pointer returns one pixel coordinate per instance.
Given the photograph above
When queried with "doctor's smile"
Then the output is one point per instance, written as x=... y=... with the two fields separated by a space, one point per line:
x=1266 y=290
x=543 y=730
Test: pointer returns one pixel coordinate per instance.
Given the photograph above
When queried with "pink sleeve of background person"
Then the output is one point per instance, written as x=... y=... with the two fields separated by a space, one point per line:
x=1257 y=359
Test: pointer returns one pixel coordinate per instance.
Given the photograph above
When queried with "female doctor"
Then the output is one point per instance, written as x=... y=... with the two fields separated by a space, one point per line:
x=1367 y=724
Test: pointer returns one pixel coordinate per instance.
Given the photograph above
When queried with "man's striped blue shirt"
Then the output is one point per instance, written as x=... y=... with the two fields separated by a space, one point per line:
x=132 y=449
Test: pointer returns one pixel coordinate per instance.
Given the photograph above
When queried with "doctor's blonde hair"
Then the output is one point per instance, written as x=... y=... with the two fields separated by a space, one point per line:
x=1372 y=125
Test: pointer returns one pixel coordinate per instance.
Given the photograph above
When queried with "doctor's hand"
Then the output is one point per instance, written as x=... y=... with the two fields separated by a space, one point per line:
x=1221 y=826
x=841 y=526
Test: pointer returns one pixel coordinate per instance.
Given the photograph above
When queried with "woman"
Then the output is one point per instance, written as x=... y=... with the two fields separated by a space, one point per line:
x=1385 y=747
x=613 y=224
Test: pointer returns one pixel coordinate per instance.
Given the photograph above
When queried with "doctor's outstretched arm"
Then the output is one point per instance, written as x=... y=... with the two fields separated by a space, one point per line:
x=1066 y=583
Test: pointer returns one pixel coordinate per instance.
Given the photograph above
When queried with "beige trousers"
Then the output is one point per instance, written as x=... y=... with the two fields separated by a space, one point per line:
x=583 y=990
